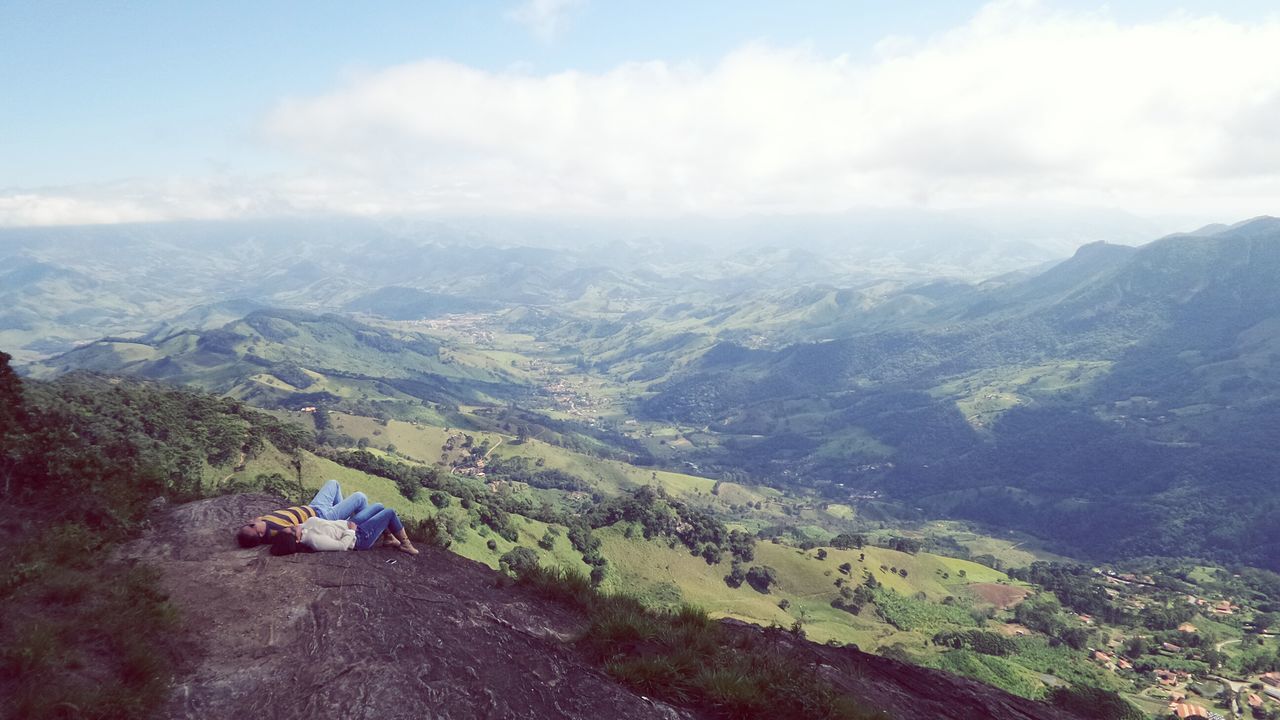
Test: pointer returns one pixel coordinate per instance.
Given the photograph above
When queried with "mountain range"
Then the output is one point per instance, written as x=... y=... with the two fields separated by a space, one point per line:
x=1120 y=402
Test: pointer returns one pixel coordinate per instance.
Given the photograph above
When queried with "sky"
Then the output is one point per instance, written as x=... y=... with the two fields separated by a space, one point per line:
x=116 y=111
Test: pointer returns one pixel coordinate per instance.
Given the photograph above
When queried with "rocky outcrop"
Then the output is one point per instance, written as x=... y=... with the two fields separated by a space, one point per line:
x=383 y=635
x=375 y=634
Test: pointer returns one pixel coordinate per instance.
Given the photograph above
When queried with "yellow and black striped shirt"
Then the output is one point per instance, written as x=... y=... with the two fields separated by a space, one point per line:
x=286 y=518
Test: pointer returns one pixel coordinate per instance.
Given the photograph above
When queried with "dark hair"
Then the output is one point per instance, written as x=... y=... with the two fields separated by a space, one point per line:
x=284 y=544
x=248 y=537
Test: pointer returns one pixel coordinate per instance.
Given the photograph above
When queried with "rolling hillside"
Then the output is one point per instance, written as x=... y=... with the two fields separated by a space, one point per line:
x=275 y=357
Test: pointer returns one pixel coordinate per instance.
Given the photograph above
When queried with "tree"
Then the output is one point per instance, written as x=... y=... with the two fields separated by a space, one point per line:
x=1135 y=647
x=736 y=576
x=822 y=554
x=845 y=568
x=846 y=541
x=762 y=577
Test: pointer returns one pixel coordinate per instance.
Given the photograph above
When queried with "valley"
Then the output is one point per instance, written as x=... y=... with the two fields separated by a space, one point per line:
x=1055 y=478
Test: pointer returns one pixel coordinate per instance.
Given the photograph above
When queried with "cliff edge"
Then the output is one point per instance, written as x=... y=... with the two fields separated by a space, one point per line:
x=380 y=634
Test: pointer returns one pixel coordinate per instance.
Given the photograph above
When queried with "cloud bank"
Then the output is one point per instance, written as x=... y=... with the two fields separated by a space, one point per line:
x=1019 y=105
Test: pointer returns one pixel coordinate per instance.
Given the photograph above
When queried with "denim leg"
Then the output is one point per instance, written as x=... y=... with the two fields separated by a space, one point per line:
x=369 y=511
x=354 y=503
x=370 y=530
x=330 y=494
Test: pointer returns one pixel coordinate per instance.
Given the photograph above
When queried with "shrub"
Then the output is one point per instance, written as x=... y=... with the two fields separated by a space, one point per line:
x=430 y=531
x=518 y=561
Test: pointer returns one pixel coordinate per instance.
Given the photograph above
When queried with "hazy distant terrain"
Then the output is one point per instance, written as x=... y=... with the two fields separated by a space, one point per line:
x=69 y=285
x=1134 y=383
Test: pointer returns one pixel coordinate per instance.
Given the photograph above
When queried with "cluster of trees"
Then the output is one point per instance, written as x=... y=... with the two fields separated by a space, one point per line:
x=760 y=577
x=101 y=448
x=1077 y=588
x=1165 y=616
x=980 y=641
x=847 y=541
x=1044 y=613
x=907 y=545
x=522 y=469
x=853 y=599
x=495 y=511
x=658 y=514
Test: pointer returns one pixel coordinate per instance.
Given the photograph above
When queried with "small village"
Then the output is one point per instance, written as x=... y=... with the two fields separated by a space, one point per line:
x=1194 y=675
x=571 y=398
x=465 y=327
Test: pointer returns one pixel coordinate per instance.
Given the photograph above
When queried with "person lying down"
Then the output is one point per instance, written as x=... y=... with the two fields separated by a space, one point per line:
x=375 y=525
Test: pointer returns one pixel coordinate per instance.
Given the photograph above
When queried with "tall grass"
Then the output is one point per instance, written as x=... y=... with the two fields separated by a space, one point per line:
x=82 y=638
x=685 y=657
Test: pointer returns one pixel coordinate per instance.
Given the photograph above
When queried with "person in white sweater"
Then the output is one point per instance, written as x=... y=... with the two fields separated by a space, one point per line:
x=327 y=535
x=361 y=532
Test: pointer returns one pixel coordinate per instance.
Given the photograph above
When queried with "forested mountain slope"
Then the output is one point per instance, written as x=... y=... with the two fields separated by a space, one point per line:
x=1120 y=402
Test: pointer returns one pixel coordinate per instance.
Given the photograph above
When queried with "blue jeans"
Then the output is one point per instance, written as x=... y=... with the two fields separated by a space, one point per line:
x=329 y=504
x=371 y=528
x=369 y=511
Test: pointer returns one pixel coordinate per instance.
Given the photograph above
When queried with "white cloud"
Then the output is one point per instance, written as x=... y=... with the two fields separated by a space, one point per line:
x=1018 y=105
x=546 y=19
x=149 y=201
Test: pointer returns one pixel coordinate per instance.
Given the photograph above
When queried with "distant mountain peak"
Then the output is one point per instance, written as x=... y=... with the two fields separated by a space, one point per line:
x=1263 y=224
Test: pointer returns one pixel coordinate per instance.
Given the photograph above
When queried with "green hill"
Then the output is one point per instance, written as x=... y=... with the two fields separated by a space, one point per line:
x=287 y=358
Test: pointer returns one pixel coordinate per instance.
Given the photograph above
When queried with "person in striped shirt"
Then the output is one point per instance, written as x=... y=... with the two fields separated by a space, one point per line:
x=328 y=504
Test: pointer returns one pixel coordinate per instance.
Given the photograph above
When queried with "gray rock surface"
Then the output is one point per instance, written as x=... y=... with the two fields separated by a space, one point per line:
x=351 y=635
